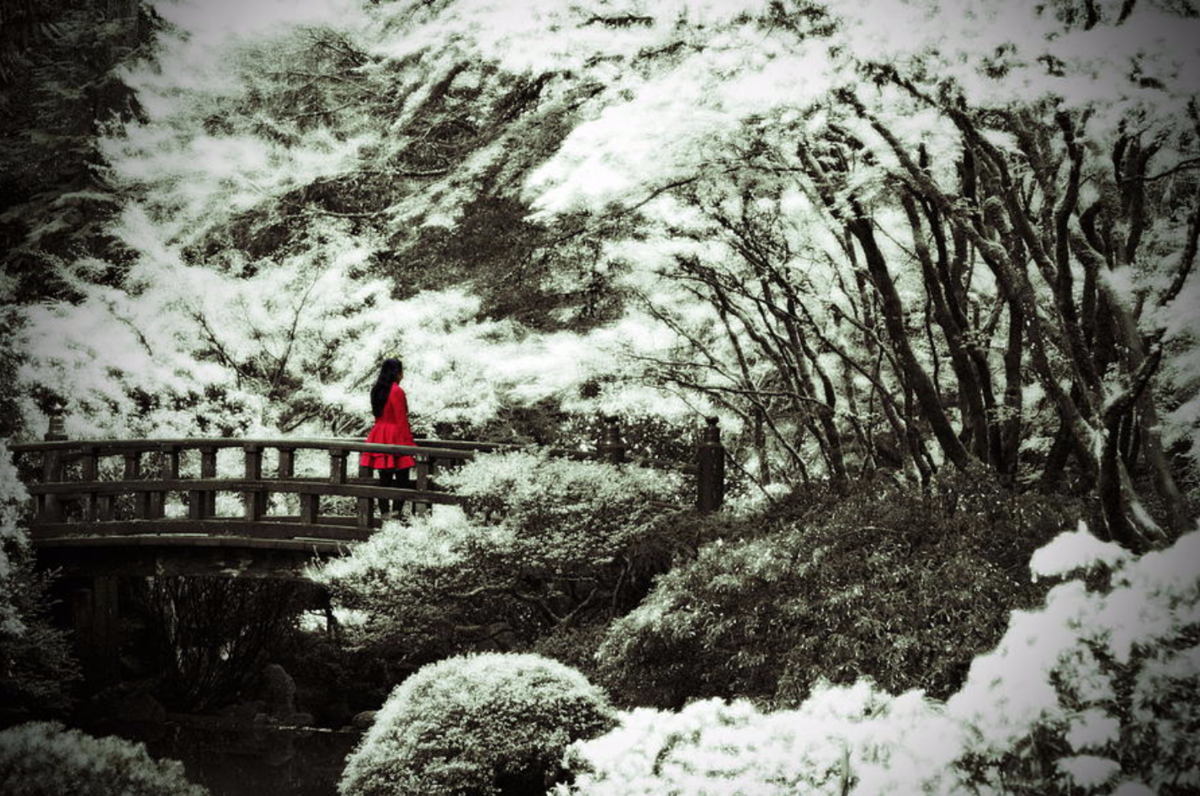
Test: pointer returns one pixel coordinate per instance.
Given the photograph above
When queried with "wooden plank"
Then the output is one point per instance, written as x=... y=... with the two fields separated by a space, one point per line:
x=200 y=533
x=109 y=447
x=187 y=540
x=235 y=557
x=213 y=485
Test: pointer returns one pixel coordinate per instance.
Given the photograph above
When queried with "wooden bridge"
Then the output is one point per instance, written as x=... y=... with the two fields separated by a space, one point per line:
x=147 y=507
x=106 y=509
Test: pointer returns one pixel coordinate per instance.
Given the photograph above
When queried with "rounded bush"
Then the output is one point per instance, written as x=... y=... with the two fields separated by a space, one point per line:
x=45 y=759
x=477 y=725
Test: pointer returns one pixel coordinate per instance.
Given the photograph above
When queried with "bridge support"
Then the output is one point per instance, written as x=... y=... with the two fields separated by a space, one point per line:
x=94 y=615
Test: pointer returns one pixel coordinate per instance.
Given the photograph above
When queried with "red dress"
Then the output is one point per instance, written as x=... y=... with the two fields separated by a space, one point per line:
x=391 y=429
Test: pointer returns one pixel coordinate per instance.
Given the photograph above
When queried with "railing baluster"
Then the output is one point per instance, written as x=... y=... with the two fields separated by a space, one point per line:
x=208 y=469
x=423 y=467
x=287 y=466
x=310 y=508
x=287 y=463
x=90 y=467
x=104 y=503
x=50 y=506
x=366 y=505
x=337 y=466
x=168 y=470
x=255 y=498
x=133 y=472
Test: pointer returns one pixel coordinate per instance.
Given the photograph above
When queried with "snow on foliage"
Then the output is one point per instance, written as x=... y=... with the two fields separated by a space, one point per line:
x=1075 y=550
x=841 y=735
x=534 y=528
x=1092 y=693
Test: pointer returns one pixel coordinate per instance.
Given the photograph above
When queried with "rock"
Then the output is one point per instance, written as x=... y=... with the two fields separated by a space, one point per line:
x=363 y=720
x=279 y=692
x=126 y=703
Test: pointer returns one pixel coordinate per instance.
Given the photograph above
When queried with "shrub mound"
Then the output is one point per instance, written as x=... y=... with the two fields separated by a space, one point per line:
x=44 y=759
x=885 y=583
x=1093 y=693
x=477 y=725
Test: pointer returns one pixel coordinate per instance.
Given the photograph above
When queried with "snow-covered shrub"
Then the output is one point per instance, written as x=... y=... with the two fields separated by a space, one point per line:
x=1096 y=692
x=839 y=737
x=544 y=545
x=1093 y=693
x=405 y=577
x=877 y=582
x=45 y=759
x=566 y=514
x=476 y=725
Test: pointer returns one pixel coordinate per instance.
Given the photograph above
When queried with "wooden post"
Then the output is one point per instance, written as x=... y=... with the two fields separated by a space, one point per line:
x=90 y=468
x=287 y=464
x=611 y=447
x=423 y=467
x=168 y=470
x=310 y=508
x=49 y=507
x=310 y=504
x=366 y=511
x=337 y=466
x=94 y=612
x=710 y=461
x=203 y=504
x=254 y=498
x=133 y=472
x=287 y=467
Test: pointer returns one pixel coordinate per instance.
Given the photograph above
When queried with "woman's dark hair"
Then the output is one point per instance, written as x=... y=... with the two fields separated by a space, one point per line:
x=389 y=374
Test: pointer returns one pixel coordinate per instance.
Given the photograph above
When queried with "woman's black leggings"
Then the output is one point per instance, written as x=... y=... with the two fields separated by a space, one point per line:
x=393 y=478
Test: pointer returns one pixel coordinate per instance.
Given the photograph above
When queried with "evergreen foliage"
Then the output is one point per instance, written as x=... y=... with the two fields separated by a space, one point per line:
x=873 y=581
x=479 y=725
x=45 y=759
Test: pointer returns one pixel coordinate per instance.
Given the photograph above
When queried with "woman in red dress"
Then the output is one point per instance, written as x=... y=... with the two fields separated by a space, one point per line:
x=390 y=407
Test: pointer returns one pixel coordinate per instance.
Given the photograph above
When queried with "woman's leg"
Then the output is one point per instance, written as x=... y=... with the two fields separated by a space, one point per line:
x=386 y=477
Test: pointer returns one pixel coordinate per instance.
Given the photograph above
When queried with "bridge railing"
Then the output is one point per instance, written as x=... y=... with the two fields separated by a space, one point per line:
x=73 y=498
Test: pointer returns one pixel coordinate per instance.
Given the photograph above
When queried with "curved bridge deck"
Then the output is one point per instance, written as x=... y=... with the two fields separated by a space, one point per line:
x=294 y=496
x=108 y=509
